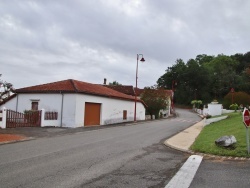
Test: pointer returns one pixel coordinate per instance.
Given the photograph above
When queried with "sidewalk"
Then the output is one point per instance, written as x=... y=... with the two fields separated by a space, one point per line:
x=183 y=140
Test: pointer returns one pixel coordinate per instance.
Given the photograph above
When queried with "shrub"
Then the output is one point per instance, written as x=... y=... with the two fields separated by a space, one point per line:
x=196 y=103
x=233 y=107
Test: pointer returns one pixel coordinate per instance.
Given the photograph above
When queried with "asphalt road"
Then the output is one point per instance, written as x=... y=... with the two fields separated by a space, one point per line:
x=222 y=173
x=124 y=156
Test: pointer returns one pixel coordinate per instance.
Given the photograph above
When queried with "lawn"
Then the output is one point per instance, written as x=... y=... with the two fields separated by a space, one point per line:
x=233 y=125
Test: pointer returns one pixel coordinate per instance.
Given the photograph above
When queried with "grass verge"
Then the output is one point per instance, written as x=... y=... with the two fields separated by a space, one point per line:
x=233 y=125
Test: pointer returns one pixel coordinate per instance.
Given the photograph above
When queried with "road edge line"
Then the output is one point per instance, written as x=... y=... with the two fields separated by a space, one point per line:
x=184 y=177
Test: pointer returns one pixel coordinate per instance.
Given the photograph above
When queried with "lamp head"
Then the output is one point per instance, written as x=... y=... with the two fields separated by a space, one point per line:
x=142 y=59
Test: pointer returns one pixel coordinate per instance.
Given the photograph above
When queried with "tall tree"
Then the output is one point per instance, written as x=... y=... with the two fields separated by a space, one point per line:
x=222 y=75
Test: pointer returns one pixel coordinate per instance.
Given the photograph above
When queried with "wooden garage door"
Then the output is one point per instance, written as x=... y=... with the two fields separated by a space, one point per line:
x=92 y=114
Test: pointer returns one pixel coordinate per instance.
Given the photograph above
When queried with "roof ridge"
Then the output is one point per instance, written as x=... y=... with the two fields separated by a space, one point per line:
x=74 y=85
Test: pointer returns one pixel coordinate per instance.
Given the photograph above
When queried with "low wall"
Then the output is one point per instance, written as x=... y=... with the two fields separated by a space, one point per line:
x=211 y=120
x=224 y=111
x=50 y=123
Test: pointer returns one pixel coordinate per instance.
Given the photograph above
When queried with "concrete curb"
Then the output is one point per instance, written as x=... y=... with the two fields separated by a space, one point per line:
x=183 y=140
x=15 y=141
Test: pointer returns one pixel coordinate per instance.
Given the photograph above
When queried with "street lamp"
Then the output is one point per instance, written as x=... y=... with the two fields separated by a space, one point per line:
x=142 y=60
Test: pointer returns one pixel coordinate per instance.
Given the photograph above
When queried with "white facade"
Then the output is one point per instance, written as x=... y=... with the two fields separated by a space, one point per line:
x=72 y=107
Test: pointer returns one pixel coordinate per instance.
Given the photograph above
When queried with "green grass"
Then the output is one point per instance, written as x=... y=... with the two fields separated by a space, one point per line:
x=233 y=125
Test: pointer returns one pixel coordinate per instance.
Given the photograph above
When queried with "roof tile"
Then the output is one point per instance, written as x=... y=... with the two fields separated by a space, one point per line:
x=75 y=86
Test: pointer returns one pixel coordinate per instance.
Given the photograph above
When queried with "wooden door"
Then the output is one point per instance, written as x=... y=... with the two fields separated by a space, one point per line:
x=92 y=114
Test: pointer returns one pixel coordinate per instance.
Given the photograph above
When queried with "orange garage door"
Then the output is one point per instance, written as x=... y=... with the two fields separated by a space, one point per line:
x=92 y=114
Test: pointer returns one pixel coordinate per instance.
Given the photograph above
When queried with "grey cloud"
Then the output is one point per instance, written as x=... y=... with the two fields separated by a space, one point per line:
x=89 y=40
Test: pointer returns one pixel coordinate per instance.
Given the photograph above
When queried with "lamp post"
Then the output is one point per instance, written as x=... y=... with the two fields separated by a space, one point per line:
x=142 y=60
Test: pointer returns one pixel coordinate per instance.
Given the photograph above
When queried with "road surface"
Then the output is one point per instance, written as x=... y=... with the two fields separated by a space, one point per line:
x=125 y=156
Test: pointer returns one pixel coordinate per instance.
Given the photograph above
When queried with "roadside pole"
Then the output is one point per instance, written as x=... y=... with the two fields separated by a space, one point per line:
x=246 y=121
x=247 y=132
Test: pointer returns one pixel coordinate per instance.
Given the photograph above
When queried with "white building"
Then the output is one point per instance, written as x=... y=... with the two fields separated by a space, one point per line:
x=77 y=103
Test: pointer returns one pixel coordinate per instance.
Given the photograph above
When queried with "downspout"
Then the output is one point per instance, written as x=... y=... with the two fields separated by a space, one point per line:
x=16 y=102
x=62 y=108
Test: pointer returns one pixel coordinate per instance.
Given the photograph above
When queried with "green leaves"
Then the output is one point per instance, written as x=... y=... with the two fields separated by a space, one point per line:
x=156 y=99
x=207 y=77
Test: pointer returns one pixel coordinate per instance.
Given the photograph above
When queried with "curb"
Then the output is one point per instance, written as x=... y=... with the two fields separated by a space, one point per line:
x=206 y=155
x=15 y=141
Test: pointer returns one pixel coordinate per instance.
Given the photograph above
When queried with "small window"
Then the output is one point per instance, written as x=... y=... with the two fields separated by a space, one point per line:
x=124 y=114
x=34 y=105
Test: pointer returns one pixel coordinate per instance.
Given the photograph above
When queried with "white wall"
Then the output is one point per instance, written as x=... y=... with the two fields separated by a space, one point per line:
x=49 y=102
x=111 y=109
x=69 y=110
x=74 y=105
x=11 y=104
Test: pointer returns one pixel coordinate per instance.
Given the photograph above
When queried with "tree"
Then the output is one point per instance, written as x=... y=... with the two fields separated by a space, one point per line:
x=207 y=77
x=115 y=83
x=222 y=73
x=5 y=89
x=156 y=100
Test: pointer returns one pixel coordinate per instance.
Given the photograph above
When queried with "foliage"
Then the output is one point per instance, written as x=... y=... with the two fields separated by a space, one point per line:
x=196 y=103
x=208 y=116
x=237 y=97
x=115 y=83
x=234 y=107
x=156 y=100
x=29 y=111
x=5 y=89
x=207 y=77
x=233 y=125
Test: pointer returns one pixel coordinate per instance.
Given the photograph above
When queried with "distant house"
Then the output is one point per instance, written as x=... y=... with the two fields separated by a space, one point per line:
x=130 y=90
x=77 y=103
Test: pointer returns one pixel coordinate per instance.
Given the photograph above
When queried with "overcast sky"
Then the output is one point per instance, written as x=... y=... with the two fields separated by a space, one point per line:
x=44 y=41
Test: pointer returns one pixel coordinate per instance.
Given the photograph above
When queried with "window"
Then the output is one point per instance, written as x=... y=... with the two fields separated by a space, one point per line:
x=34 y=105
x=124 y=114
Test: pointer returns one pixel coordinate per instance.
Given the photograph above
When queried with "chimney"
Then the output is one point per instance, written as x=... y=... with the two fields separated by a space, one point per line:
x=105 y=81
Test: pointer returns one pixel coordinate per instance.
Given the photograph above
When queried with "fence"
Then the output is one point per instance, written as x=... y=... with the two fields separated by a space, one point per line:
x=51 y=116
x=18 y=119
x=11 y=119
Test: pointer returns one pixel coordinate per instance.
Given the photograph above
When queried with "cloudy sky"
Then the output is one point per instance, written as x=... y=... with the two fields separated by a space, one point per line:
x=43 y=41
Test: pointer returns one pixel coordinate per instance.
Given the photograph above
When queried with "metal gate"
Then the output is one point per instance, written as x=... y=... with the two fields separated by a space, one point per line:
x=18 y=119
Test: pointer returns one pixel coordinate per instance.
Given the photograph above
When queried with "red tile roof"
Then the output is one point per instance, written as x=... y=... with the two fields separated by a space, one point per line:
x=75 y=86
x=140 y=91
x=129 y=90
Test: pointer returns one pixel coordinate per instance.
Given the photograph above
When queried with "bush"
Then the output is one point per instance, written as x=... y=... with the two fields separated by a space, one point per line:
x=208 y=116
x=237 y=97
x=196 y=103
x=234 y=107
